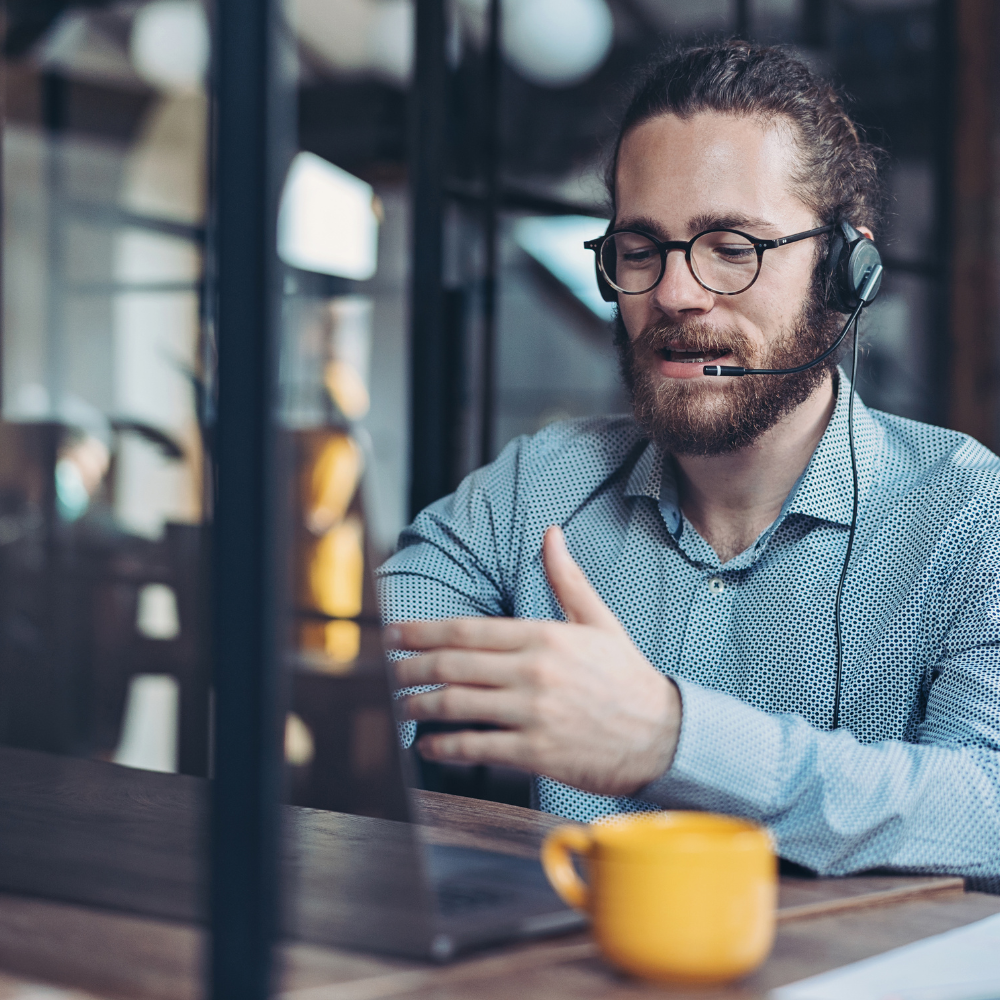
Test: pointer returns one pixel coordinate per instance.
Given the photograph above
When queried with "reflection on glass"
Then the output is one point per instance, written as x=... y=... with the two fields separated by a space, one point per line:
x=333 y=477
x=332 y=544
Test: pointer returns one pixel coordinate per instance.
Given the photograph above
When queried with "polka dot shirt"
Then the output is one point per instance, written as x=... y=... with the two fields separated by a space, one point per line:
x=911 y=780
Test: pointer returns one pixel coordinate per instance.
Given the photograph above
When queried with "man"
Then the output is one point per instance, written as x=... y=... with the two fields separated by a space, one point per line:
x=644 y=607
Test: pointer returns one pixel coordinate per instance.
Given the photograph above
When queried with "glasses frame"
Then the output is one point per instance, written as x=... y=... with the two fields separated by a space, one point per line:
x=665 y=246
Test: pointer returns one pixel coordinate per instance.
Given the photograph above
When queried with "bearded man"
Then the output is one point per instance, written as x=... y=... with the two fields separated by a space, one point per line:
x=641 y=608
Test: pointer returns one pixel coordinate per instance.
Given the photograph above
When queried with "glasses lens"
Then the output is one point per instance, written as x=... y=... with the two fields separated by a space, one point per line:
x=631 y=262
x=724 y=261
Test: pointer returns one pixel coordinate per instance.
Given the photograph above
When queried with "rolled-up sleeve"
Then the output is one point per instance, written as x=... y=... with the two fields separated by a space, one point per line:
x=837 y=805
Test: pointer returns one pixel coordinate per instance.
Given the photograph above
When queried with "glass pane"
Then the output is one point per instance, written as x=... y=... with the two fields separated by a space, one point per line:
x=104 y=488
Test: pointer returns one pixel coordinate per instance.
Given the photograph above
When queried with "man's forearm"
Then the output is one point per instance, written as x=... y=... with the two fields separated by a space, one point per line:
x=833 y=804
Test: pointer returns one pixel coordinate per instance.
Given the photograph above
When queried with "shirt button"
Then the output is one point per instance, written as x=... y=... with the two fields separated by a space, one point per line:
x=716 y=585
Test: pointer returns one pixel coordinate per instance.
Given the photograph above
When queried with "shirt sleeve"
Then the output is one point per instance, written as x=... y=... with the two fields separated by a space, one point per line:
x=450 y=562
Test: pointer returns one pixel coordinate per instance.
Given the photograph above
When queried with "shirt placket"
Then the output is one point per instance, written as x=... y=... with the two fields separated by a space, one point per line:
x=709 y=620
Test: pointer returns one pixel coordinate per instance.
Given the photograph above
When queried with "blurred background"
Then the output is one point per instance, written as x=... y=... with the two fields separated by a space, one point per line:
x=437 y=298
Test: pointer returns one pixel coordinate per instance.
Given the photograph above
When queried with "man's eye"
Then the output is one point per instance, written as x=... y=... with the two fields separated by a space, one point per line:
x=638 y=256
x=734 y=254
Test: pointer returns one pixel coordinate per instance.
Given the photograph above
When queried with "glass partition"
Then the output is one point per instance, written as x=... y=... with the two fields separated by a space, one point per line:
x=105 y=481
x=414 y=296
x=103 y=419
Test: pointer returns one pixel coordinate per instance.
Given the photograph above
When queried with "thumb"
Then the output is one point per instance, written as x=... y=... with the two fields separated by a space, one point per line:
x=578 y=598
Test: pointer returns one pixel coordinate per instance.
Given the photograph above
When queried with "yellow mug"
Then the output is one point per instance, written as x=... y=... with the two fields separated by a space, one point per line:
x=683 y=897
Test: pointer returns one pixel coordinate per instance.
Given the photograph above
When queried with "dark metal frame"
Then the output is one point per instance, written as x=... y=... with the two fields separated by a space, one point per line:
x=429 y=472
x=940 y=267
x=434 y=346
x=253 y=108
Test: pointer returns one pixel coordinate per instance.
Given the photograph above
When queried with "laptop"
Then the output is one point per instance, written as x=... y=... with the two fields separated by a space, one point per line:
x=378 y=884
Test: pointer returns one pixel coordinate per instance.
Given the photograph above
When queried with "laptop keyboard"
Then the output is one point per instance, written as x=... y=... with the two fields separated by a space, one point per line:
x=457 y=899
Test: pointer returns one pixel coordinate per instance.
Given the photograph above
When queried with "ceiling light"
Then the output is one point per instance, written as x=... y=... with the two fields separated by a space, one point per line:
x=327 y=220
x=556 y=43
x=169 y=46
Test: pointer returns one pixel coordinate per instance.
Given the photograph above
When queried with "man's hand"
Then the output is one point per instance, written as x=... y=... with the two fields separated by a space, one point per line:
x=574 y=700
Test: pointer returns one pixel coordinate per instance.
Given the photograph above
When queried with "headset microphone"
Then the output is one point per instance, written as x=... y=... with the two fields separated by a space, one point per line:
x=869 y=291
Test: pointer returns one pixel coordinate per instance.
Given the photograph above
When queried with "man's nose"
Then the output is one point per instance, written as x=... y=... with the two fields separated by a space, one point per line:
x=678 y=292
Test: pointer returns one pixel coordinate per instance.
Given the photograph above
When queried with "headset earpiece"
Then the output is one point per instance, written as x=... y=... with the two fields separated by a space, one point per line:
x=607 y=292
x=850 y=260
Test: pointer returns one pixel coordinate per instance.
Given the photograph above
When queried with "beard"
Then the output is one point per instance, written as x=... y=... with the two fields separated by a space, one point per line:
x=692 y=416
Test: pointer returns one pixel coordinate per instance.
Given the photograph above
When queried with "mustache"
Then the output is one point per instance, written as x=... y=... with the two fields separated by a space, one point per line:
x=693 y=336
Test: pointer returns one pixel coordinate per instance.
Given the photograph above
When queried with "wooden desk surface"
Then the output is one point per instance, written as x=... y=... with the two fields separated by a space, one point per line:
x=107 y=954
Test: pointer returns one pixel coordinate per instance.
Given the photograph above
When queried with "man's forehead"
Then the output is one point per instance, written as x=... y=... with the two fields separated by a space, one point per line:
x=708 y=170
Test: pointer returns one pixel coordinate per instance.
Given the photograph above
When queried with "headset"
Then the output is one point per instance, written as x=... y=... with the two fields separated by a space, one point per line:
x=853 y=277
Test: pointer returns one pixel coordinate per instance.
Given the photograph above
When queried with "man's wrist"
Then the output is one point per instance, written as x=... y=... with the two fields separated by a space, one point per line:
x=671 y=728
x=664 y=746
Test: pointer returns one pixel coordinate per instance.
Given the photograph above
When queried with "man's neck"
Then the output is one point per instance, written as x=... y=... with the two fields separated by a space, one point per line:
x=731 y=499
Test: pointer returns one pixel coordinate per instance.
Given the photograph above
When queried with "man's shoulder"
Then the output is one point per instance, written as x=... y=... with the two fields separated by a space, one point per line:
x=602 y=443
x=921 y=457
x=553 y=471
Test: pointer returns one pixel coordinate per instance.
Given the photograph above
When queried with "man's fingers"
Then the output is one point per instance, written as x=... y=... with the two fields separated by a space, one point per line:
x=456 y=666
x=578 y=598
x=465 y=704
x=498 y=634
x=503 y=748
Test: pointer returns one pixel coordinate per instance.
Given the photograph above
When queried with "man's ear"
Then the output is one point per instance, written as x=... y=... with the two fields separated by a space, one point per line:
x=865 y=231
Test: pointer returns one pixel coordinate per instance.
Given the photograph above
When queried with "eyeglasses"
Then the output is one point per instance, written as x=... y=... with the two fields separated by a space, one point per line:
x=724 y=261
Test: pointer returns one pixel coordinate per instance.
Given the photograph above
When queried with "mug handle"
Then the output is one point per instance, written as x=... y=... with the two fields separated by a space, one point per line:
x=557 y=850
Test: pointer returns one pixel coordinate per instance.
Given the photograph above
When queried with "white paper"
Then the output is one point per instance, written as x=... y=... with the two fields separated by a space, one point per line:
x=963 y=964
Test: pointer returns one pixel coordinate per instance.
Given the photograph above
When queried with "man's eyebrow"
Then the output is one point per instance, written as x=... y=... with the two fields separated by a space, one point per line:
x=641 y=224
x=697 y=224
x=731 y=221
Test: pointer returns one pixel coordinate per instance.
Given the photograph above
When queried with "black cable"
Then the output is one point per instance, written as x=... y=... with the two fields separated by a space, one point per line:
x=869 y=289
x=850 y=537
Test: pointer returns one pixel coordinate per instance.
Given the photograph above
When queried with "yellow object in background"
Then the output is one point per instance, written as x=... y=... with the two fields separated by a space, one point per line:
x=682 y=897
x=331 y=481
x=336 y=570
x=338 y=641
x=347 y=389
x=342 y=641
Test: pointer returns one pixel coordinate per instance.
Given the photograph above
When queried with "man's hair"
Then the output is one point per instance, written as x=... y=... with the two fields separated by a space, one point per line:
x=837 y=174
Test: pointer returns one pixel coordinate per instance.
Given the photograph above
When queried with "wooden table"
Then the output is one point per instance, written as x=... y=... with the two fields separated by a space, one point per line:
x=823 y=923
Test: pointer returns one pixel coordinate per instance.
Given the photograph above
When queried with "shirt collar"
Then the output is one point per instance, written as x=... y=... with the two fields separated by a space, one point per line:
x=824 y=491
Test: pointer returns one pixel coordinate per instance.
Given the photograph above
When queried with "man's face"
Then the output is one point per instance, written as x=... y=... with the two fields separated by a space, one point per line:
x=675 y=179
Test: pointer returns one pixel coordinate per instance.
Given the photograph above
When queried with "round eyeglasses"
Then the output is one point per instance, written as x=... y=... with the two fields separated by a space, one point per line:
x=724 y=261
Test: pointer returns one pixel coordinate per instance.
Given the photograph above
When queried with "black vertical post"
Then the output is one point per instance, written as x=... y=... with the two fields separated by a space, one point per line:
x=742 y=29
x=940 y=346
x=245 y=824
x=430 y=471
x=55 y=113
x=815 y=23
x=491 y=168
x=59 y=643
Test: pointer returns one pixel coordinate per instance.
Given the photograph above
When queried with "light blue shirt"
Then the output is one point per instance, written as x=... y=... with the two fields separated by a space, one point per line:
x=911 y=782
